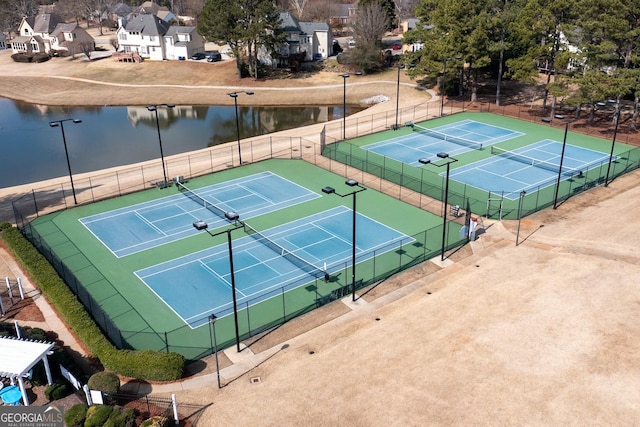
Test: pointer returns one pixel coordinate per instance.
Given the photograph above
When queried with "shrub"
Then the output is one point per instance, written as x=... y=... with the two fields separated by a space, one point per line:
x=157 y=421
x=56 y=391
x=97 y=415
x=106 y=382
x=121 y=417
x=41 y=57
x=75 y=416
x=147 y=364
x=22 y=57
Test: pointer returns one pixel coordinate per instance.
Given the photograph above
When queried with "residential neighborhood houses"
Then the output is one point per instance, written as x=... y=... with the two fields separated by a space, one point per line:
x=48 y=32
x=147 y=33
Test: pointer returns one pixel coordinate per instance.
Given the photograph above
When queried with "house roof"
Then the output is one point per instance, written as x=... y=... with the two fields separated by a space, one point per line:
x=312 y=27
x=147 y=24
x=289 y=23
x=27 y=39
x=63 y=28
x=166 y=15
x=44 y=23
x=179 y=29
x=18 y=356
x=121 y=9
x=150 y=7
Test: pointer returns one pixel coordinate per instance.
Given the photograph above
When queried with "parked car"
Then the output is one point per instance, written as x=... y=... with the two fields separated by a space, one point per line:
x=198 y=56
x=213 y=56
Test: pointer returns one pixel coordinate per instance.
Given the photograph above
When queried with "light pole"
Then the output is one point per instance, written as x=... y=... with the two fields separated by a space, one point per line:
x=344 y=105
x=235 y=218
x=60 y=123
x=564 y=144
x=154 y=108
x=214 y=341
x=613 y=144
x=522 y=194
x=444 y=80
x=234 y=95
x=399 y=67
x=331 y=190
x=446 y=193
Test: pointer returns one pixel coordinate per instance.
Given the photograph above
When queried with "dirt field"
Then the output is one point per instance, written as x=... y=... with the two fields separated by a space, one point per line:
x=544 y=333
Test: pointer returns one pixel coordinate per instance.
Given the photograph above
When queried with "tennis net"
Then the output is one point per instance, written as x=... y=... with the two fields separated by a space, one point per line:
x=201 y=201
x=531 y=161
x=443 y=136
x=288 y=255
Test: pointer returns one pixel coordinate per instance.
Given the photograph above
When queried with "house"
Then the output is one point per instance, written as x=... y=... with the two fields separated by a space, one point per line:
x=409 y=24
x=153 y=38
x=151 y=8
x=119 y=12
x=305 y=41
x=344 y=15
x=182 y=42
x=72 y=38
x=144 y=35
x=48 y=31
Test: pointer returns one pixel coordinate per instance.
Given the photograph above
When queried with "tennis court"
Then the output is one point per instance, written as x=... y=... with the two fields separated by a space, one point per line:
x=534 y=166
x=160 y=295
x=454 y=138
x=199 y=284
x=146 y=225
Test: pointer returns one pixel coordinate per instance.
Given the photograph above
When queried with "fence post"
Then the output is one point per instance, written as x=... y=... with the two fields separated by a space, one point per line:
x=174 y=404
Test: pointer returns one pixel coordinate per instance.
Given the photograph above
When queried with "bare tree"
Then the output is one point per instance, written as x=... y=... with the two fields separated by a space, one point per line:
x=321 y=10
x=12 y=12
x=370 y=24
x=86 y=48
x=115 y=43
x=299 y=6
x=70 y=9
x=405 y=9
x=368 y=29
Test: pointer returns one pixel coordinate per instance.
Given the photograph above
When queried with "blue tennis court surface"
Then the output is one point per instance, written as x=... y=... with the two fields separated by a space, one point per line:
x=529 y=168
x=462 y=136
x=136 y=228
x=199 y=284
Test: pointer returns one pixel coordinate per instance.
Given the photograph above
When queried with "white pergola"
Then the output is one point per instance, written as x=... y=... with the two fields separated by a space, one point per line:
x=18 y=357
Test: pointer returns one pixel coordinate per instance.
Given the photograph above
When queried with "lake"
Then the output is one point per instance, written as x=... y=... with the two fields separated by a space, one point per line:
x=116 y=136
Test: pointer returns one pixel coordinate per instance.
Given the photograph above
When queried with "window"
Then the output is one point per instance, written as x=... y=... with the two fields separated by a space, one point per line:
x=152 y=38
x=122 y=36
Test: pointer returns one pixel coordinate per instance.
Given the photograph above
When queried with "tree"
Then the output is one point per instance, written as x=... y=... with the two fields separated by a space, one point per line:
x=456 y=31
x=388 y=8
x=368 y=29
x=299 y=6
x=541 y=26
x=244 y=25
x=86 y=48
x=12 y=12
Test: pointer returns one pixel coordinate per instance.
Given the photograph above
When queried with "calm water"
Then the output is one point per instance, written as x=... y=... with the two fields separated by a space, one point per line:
x=114 y=136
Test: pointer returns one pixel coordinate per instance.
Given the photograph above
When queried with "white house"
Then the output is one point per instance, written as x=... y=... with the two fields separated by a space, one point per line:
x=47 y=31
x=182 y=42
x=144 y=35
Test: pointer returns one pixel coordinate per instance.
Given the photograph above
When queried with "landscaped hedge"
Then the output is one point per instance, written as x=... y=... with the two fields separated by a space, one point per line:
x=143 y=364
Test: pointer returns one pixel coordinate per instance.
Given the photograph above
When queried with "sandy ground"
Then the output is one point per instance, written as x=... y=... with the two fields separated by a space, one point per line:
x=544 y=333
